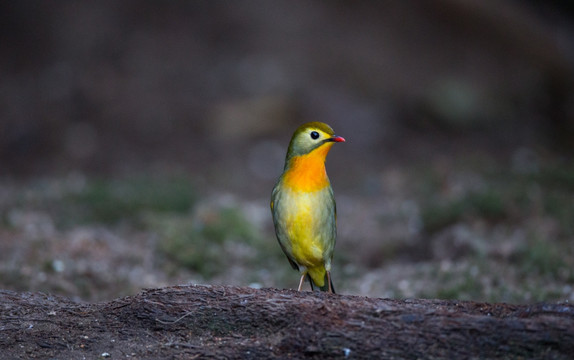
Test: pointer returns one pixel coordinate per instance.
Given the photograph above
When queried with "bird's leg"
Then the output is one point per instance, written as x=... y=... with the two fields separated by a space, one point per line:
x=310 y=282
x=301 y=282
x=329 y=281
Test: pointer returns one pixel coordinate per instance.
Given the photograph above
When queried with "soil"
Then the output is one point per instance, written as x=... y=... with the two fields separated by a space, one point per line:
x=187 y=322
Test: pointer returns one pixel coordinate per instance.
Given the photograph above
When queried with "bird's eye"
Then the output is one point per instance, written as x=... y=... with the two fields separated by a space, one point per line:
x=314 y=135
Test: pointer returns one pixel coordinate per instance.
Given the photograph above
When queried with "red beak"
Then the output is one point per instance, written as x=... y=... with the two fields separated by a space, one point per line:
x=336 y=138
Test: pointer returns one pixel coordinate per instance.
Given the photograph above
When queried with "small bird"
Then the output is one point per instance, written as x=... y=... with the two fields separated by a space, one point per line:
x=303 y=205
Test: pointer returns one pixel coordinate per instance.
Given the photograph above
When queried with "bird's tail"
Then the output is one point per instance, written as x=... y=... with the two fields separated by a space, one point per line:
x=326 y=283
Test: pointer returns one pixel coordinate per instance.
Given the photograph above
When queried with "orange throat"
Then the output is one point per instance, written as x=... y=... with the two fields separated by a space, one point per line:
x=307 y=172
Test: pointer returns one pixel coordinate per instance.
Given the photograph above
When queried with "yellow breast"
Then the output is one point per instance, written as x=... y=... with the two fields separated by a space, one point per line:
x=304 y=225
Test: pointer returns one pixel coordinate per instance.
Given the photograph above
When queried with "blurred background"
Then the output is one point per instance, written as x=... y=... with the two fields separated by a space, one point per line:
x=140 y=141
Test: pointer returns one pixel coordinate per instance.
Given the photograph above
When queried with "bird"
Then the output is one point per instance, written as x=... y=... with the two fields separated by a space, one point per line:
x=303 y=205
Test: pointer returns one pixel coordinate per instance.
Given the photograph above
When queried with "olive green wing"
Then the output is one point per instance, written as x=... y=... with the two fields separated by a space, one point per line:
x=279 y=230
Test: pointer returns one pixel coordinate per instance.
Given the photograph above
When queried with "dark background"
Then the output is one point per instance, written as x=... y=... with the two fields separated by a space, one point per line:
x=433 y=97
x=104 y=86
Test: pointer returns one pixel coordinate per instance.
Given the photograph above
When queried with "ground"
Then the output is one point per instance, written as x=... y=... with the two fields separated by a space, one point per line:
x=233 y=323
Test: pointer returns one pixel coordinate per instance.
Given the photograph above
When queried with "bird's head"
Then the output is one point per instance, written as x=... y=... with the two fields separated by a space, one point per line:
x=311 y=136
